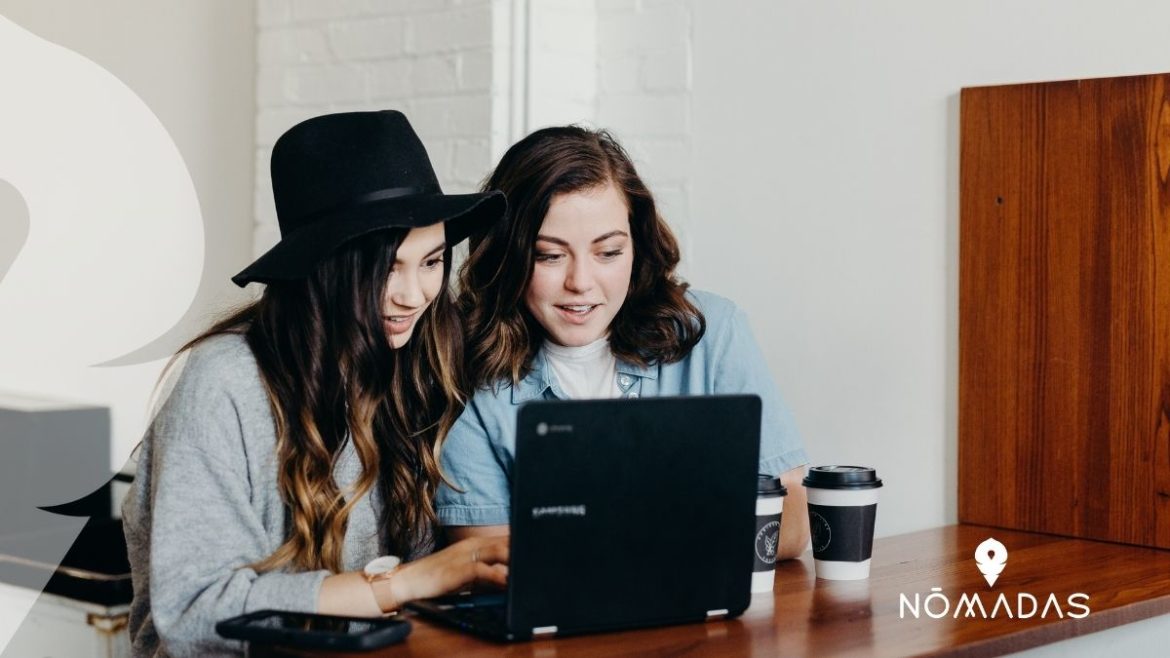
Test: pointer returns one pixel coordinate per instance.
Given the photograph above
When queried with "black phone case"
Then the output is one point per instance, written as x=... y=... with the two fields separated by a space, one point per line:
x=387 y=632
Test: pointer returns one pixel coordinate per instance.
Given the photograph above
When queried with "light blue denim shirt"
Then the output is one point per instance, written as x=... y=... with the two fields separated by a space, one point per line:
x=479 y=450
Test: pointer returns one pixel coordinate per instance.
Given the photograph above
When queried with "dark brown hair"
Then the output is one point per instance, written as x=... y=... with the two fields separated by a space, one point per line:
x=656 y=324
x=331 y=373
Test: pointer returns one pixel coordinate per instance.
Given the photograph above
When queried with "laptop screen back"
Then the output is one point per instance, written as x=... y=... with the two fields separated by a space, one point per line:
x=632 y=512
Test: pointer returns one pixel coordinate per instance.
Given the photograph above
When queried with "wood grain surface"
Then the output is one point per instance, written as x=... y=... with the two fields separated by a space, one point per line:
x=810 y=617
x=1064 y=313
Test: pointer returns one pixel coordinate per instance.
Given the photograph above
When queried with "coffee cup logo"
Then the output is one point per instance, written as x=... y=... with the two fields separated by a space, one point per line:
x=991 y=557
x=821 y=532
x=766 y=539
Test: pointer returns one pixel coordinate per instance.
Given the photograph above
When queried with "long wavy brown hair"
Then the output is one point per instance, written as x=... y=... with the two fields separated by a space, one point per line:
x=331 y=375
x=656 y=324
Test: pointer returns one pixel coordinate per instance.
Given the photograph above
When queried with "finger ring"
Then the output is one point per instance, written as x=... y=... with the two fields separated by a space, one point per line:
x=475 y=555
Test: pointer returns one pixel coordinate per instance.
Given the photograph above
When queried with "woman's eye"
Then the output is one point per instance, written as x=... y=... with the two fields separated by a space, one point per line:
x=610 y=255
x=548 y=258
x=433 y=263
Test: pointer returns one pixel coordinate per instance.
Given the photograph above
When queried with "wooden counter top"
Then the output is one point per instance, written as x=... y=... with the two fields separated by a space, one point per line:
x=810 y=617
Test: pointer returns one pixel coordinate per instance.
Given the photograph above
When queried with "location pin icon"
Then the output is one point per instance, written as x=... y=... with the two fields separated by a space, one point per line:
x=991 y=556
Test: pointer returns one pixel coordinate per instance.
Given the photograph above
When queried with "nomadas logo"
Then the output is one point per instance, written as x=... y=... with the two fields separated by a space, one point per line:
x=991 y=557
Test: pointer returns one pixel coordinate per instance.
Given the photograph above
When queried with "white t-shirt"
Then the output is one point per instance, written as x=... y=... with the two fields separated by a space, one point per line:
x=589 y=371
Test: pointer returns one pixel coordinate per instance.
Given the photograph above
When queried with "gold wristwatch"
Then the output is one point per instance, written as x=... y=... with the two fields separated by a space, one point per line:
x=381 y=568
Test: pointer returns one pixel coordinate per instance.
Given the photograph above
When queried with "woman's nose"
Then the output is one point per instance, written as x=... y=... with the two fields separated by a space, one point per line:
x=579 y=277
x=406 y=291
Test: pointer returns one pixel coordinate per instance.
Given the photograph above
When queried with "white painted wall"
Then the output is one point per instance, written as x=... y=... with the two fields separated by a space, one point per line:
x=824 y=189
x=562 y=63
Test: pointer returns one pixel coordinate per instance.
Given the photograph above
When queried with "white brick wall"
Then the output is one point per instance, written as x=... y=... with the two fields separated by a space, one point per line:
x=371 y=38
x=452 y=30
x=644 y=95
x=432 y=59
x=476 y=75
x=292 y=45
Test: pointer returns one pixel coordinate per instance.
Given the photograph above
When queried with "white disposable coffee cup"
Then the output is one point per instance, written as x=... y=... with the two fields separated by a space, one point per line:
x=842 y=508
x=769 y=510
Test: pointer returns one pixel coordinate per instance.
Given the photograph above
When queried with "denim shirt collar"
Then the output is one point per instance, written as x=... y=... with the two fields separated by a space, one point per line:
x=539 y=379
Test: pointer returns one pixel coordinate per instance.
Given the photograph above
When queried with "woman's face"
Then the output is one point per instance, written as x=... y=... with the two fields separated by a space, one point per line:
x=584 y=259
x=415 y=280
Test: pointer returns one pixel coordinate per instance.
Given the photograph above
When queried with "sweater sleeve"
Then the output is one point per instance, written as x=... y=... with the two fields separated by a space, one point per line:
x=203 y=529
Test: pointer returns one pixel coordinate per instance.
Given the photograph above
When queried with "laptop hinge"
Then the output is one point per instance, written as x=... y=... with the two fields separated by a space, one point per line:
x=716 y=614
x=544 y=630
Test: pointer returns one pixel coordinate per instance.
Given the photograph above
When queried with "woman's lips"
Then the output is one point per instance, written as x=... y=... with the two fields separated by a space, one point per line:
x=576 y=313
x=398 y=323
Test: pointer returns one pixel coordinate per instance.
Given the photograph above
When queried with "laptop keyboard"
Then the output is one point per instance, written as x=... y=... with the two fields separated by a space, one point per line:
x=482 y=616
x=483 y=612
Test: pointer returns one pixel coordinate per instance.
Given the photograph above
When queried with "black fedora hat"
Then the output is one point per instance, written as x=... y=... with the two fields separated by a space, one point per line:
x=340 y=176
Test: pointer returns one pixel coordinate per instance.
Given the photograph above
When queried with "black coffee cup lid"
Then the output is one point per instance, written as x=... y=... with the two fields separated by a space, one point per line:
x=770 y=486
x=842 y=477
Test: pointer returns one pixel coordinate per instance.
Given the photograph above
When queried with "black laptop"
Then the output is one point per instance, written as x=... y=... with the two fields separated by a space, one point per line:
x=625 y=513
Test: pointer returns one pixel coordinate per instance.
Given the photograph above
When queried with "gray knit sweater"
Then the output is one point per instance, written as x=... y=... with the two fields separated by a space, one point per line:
x=205 y=503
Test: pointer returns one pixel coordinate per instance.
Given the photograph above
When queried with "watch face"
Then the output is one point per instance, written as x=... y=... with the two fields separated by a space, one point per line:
x=381 y=565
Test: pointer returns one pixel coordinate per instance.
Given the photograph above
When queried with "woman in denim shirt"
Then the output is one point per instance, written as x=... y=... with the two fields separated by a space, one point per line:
x=575 y=296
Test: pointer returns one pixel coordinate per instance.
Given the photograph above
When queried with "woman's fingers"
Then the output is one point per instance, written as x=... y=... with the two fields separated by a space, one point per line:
x=495 y=574
x=493 y=550
x=477 y=559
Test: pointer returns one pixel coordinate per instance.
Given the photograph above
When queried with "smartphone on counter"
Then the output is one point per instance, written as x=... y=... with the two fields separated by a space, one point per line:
x=301 y=629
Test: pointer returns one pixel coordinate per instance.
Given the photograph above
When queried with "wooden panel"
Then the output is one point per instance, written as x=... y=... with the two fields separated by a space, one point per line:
x=810 y=617
x=1064 y=313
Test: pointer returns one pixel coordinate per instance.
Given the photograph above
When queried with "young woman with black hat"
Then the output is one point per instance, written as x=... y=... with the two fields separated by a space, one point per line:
x=575 y=296
x=301 y=440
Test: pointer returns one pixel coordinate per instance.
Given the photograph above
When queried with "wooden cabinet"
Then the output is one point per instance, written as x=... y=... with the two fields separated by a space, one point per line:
x=1064 y=338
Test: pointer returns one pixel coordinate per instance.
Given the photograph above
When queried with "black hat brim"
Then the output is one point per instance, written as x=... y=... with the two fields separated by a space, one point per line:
x=298 y=254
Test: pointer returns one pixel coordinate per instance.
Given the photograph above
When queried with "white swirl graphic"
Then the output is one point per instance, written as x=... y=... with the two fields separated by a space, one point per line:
x=102 y=250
